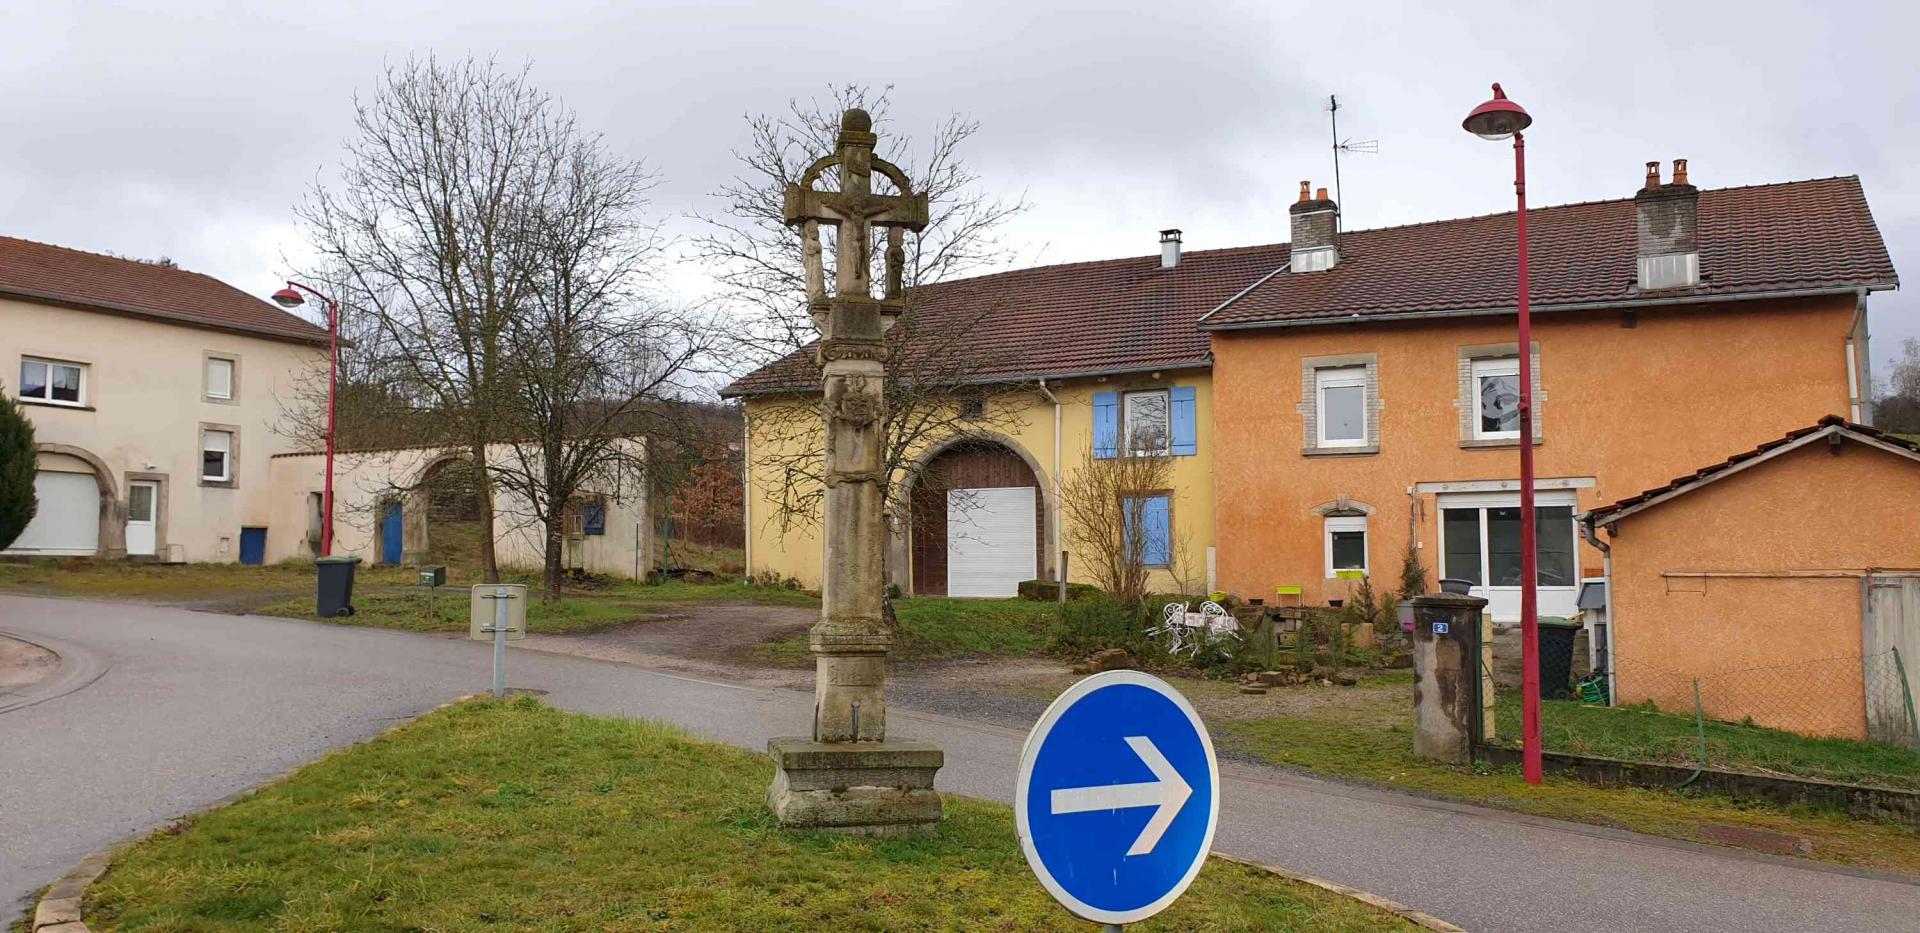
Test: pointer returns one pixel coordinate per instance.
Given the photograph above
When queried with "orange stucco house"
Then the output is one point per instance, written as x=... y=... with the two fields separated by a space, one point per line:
x=1783 y=579
x=1364 y=390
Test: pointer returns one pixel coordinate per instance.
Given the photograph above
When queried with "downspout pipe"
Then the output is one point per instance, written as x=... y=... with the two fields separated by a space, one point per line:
x=1606 y=572
x=1053 y=519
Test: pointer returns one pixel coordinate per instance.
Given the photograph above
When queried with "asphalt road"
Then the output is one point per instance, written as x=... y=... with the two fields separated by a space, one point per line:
x=157 y=712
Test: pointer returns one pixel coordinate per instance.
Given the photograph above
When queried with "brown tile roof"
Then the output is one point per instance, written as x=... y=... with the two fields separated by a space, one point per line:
x=1129 y=314
x=1782 y=237
x=1831 y=424
x=57 y=275
x=1056 y=321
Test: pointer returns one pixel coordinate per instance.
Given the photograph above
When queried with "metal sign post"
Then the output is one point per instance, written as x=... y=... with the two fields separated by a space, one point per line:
x=1118 y=797
x=498 y=613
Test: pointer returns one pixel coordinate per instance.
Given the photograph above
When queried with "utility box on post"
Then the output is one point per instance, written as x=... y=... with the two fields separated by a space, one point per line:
x=1446 y=676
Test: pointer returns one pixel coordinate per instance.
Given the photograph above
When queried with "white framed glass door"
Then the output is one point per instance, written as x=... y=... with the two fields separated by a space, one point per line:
x=1480 y=543
x=143 y=505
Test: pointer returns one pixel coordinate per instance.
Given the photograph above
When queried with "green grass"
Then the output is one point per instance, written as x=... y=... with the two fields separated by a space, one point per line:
x=513 y=816
x=577 y=611
x=1372 y=741
x=1642 y=733
x=935 y=628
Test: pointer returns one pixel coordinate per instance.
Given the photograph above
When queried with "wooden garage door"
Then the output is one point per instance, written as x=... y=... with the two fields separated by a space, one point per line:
x=970 y=466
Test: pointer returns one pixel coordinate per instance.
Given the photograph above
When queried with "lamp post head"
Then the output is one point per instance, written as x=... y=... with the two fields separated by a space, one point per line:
x=288 y=298
x=1498 y=118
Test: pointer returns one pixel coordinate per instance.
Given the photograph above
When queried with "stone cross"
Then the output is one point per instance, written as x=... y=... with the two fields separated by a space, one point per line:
x=848 y=777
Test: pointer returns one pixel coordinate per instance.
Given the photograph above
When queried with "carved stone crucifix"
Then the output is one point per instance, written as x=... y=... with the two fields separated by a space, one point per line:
x=848 y=777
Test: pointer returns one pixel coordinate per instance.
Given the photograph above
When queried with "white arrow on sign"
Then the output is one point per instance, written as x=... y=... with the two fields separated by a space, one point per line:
x=1169 y=792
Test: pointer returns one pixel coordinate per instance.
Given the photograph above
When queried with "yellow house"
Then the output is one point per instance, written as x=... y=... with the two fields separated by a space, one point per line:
x=1068 y=359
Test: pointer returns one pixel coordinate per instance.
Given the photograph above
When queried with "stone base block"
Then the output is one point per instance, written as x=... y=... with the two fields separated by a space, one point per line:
x=871 y=788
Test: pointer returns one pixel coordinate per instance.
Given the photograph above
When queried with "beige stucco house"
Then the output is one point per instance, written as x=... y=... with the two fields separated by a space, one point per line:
x=161 y=400
x=157 y=397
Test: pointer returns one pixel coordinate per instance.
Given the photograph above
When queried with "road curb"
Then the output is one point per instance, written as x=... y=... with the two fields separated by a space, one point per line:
x=58 y=910
x=1417 y=918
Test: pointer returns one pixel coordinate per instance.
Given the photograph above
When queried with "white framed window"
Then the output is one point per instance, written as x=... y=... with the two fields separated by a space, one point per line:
x=220 y=378
x=1346 y=544
x=216 y=455
x=1480 y=543
x=1146 y=422
x=1496 y=398
x=53 y=382
x=1340 y=406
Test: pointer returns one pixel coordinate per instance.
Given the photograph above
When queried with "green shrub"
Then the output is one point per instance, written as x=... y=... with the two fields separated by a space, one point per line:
x=17 y=499
x=1096 y=623
x=1047 y=591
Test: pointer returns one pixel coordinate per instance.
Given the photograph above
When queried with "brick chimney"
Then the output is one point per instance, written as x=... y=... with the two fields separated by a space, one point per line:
x=1669 y=216
x=1316 y=231
x=1169 y=248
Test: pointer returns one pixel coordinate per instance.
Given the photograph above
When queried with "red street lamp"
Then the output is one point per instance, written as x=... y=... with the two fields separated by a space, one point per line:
x=289 y=297
x=1498 y=119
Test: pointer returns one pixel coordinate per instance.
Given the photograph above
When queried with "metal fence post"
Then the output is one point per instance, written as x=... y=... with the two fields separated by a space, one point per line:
x=501 y=595
x=1913 y=725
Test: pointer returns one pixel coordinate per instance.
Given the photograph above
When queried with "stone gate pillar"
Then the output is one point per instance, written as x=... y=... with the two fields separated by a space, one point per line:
x=1446 y=675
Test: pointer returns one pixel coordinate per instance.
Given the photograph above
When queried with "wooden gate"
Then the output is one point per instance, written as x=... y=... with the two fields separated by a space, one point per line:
x=1892 y=623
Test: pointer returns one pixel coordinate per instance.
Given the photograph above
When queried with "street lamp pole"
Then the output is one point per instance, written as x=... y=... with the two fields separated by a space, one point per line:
x=1498 y=119
x=290 y=297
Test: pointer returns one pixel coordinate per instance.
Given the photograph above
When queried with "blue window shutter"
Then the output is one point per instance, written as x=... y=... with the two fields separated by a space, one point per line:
x=1106 y=424
x=1186 y=426
x=594 y=519
x=1157 y=522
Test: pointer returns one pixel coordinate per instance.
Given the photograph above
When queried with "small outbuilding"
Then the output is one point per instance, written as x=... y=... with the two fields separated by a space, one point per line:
x=1784 y=581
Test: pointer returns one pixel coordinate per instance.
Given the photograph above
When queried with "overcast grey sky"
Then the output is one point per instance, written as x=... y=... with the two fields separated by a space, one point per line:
x=190 y=129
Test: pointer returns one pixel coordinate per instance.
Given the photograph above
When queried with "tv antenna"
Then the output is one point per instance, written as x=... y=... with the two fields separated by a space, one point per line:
x=1369 y=146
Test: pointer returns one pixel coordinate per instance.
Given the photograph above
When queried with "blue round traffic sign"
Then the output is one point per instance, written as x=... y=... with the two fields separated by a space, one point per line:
x=1118 y=797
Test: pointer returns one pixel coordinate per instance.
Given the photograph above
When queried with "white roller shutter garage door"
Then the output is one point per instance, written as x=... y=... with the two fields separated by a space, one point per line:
x=67 y=522
x=991 y=541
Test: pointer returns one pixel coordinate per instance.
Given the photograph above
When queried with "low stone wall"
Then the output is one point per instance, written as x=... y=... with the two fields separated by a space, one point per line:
x=1855 y=799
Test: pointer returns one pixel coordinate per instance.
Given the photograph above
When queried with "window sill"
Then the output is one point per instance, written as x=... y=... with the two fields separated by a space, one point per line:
x=46 y=404
x=219 y=401
x=1477 y=443
x=219 y=483
x=1340 y=451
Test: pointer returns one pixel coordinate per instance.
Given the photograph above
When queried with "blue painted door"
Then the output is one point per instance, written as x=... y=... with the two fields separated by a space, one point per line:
x=253 y=546
x=390 y=531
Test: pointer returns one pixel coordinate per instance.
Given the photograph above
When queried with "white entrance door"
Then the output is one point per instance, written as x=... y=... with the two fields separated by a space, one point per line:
x=143 y=502
x=67 y=523
x=991 y=540
x=1480 y=542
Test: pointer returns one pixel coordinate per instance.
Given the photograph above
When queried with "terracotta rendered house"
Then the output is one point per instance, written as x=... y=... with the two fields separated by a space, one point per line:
x=1339 y=399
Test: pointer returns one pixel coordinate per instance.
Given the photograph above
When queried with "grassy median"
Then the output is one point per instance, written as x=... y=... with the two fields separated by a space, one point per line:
x=514 y=816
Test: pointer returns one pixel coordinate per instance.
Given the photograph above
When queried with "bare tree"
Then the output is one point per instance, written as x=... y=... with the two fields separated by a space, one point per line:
x=939 y=381
x=1103 y=520
x=432 y=228
x=1898 y=407
x=589 y=351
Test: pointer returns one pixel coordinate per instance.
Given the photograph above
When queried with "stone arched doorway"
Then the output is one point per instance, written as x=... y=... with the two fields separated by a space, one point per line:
x=978 y=515
x=445 y=514
x=81 y=511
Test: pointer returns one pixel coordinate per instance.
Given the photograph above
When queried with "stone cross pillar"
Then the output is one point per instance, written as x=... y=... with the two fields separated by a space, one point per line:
x=846 y=776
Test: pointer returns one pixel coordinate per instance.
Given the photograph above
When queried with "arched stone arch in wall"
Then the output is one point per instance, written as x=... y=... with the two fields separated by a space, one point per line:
x=113 y=511
x=445 y=495
x=979 y=461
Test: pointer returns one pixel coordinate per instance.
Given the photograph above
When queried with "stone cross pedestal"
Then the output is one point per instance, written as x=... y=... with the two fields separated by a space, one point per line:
x=847 y=777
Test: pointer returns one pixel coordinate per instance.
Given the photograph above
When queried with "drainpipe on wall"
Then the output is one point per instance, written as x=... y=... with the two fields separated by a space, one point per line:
x=1606 y=573
x=746 y=487
x=1053 y=520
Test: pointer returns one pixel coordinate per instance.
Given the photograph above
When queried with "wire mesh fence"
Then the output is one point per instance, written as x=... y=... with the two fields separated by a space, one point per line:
x=1848 y=719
